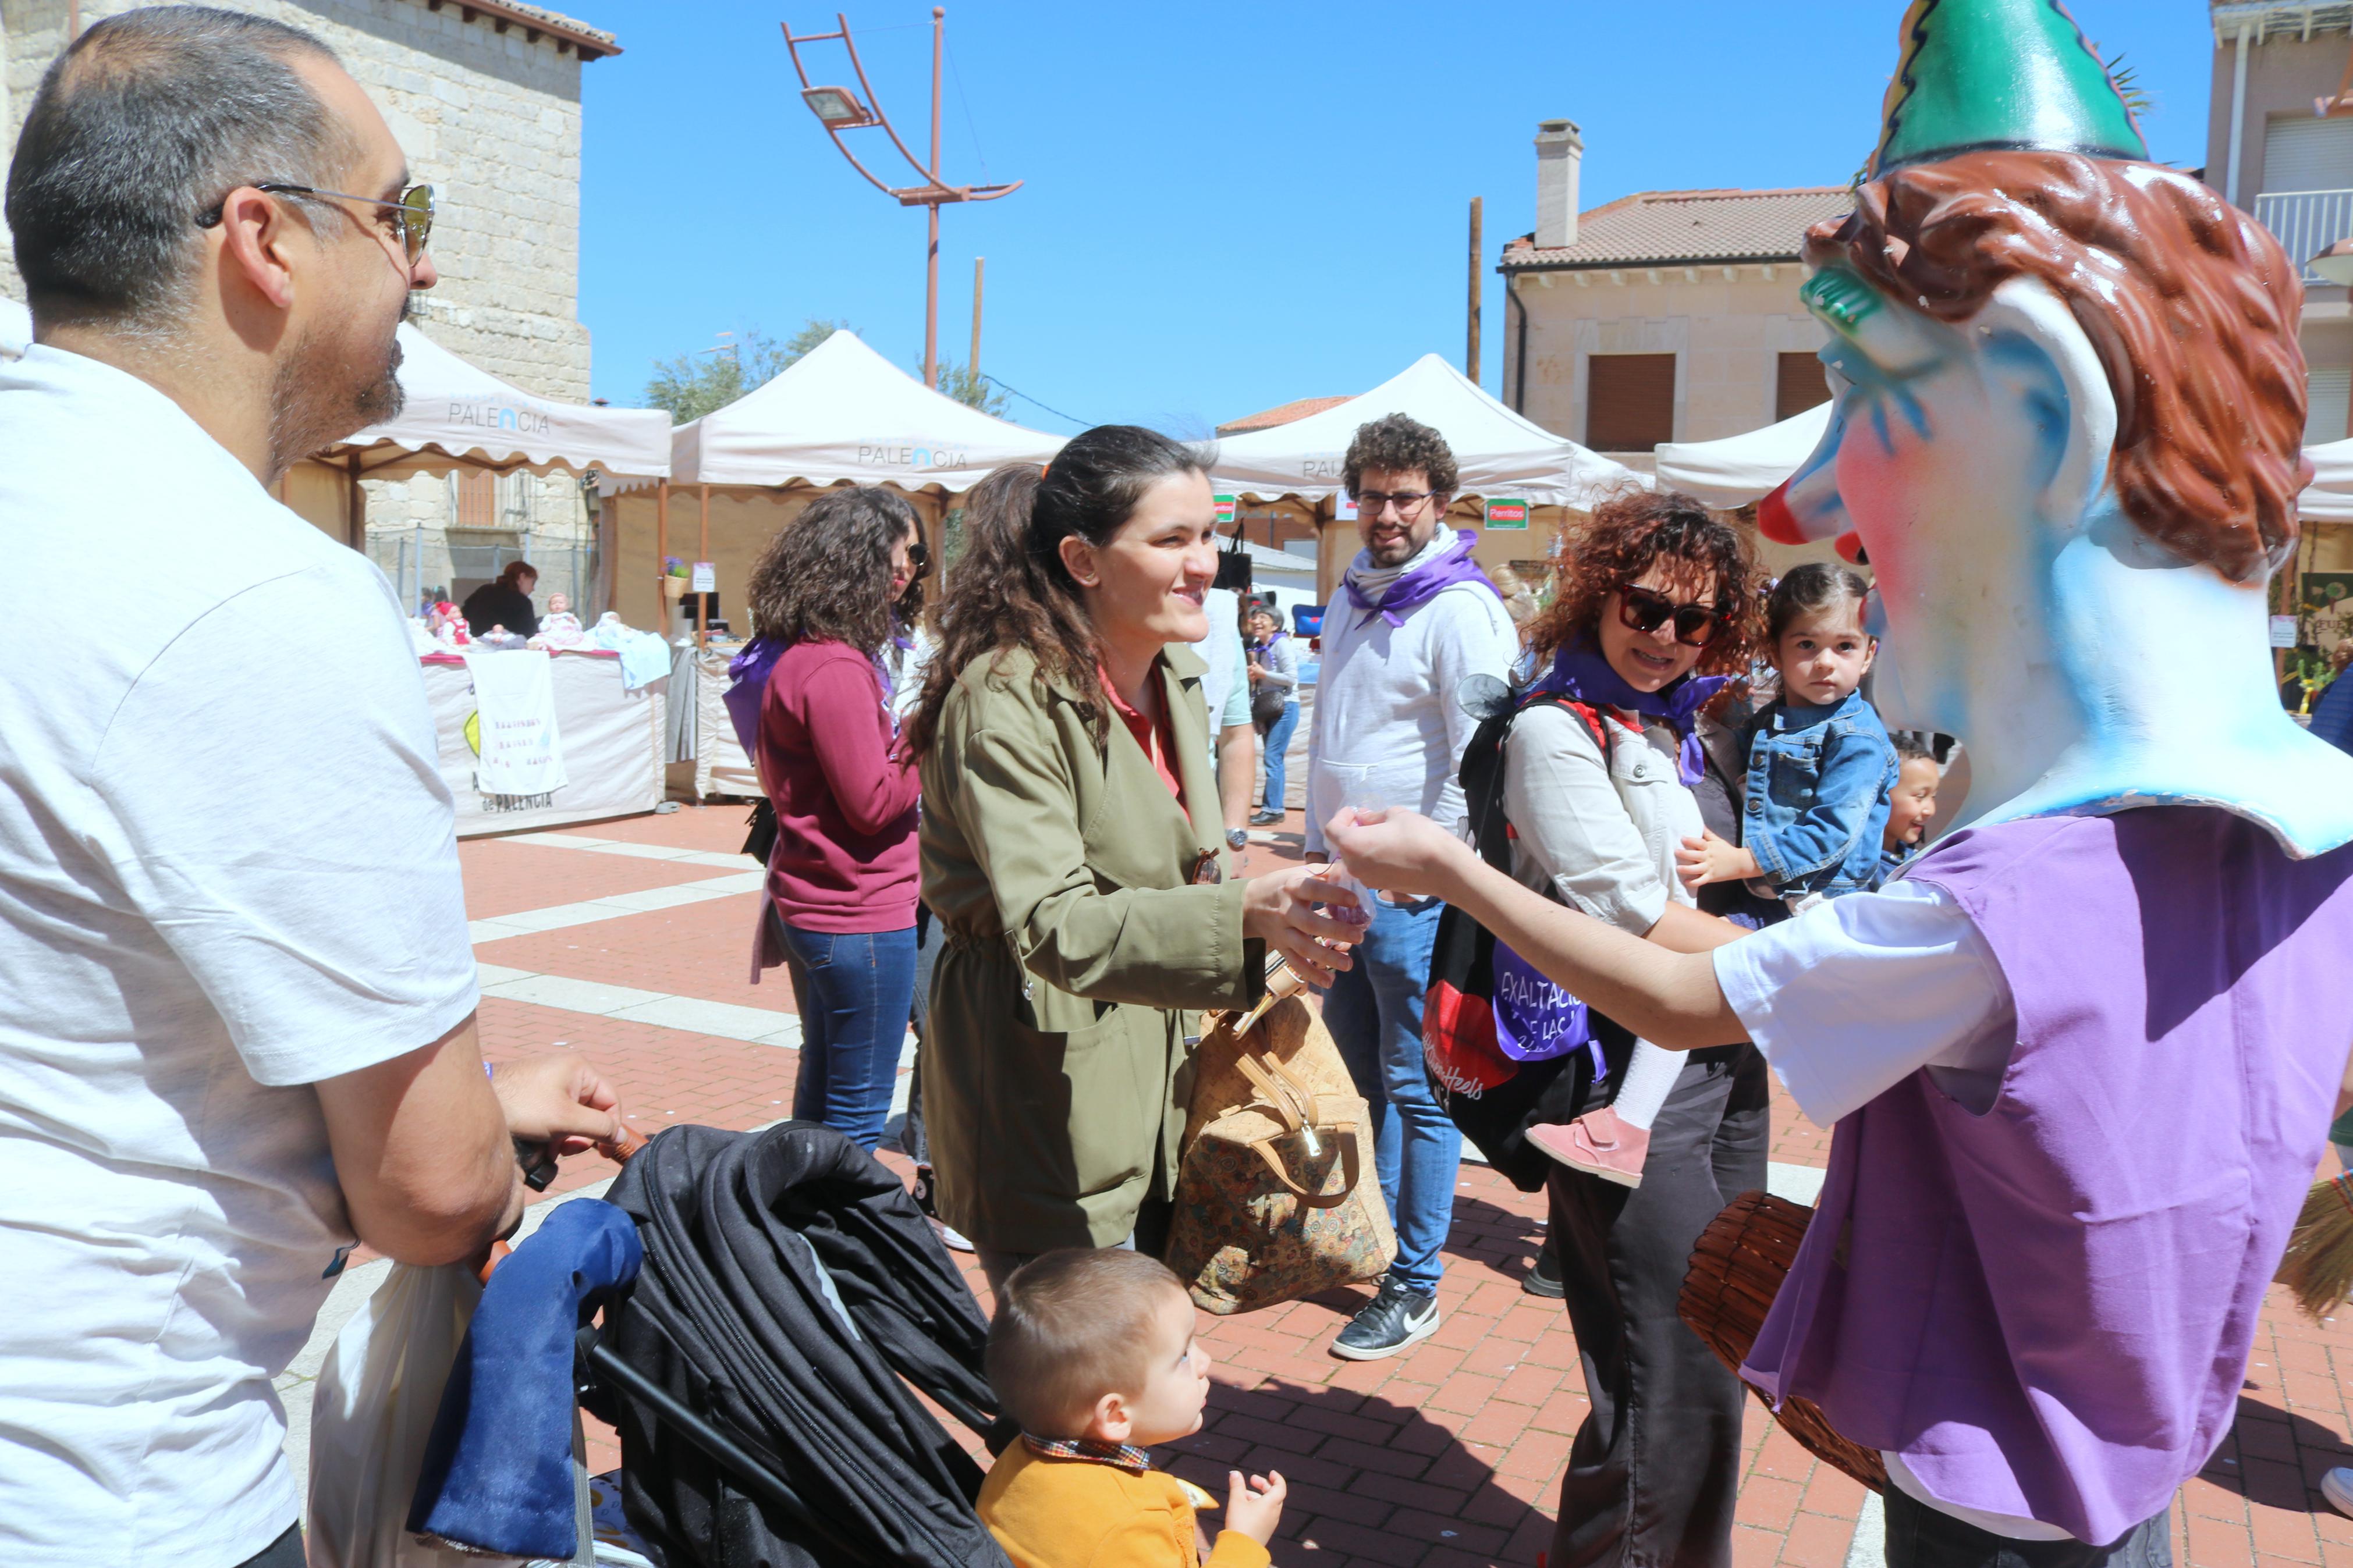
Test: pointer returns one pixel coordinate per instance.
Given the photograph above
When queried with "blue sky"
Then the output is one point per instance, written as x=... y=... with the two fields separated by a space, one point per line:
x=1228 y=205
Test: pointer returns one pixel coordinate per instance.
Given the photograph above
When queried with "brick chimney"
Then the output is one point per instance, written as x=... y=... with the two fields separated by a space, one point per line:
x=1560 y=152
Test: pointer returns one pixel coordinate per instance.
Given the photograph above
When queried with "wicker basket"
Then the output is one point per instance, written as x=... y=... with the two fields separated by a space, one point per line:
x=1742 y=1258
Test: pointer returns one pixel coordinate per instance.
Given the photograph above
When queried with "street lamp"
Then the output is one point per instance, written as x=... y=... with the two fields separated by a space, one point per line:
x=838 y=108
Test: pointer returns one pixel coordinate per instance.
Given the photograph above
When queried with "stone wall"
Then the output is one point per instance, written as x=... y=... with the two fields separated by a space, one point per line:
x=491 y=120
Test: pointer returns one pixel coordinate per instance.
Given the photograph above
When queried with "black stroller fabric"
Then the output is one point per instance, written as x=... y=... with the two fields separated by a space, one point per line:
x=800 y=1363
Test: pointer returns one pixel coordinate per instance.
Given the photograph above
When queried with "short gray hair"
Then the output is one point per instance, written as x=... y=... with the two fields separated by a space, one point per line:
x=146 y=123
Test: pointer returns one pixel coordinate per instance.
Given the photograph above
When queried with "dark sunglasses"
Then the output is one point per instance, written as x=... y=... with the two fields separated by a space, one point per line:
x=412 y=211
x=1644 y=611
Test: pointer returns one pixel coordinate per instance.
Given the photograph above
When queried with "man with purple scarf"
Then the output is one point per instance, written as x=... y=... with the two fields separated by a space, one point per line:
x=2081 y=1056
x=1415 y=619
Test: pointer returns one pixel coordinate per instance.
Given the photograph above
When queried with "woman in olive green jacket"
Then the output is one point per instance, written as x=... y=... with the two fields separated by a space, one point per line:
x=1073 y=852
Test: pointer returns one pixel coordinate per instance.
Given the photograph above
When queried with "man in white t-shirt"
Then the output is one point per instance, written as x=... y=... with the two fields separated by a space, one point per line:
x=1233 y=742
x=236 y=995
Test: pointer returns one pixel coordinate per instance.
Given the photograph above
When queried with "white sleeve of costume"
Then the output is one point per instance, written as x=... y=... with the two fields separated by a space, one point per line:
x=1857 y=993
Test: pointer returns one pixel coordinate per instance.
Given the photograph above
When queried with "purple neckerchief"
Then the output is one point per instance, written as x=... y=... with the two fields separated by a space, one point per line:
x=1417 y=587
x=1580 y=672
x=748 y=675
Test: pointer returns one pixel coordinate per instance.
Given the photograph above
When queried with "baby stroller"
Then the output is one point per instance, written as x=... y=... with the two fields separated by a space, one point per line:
x=771 y=1302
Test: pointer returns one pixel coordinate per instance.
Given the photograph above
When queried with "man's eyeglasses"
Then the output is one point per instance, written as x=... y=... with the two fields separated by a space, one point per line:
x=1644 y=611
x=1372 y=503
x=412 y=211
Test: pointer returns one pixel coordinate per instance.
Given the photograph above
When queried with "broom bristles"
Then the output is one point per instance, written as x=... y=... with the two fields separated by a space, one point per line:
x=2318 y=1267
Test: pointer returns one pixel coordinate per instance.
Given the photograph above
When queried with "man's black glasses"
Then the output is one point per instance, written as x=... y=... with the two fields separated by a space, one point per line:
x=1646 y=612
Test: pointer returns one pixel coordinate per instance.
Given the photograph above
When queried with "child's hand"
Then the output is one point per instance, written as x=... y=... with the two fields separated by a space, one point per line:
x=1254 y=1506
x=1709 y=858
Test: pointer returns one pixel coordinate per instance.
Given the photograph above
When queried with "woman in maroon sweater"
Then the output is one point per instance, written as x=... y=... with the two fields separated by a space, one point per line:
x=842 y=877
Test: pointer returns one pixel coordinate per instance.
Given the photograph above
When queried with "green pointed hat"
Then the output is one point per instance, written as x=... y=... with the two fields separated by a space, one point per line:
x=1981 y=74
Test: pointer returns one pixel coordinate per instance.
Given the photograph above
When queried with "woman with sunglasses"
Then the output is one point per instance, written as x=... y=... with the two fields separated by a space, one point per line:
x=840 y=909
x=1656 y=605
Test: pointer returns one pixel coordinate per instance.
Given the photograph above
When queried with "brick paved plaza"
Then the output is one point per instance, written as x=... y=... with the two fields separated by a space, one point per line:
x=626 y=942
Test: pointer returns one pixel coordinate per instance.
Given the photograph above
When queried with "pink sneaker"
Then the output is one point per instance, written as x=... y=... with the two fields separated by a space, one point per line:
x=1597 y=1143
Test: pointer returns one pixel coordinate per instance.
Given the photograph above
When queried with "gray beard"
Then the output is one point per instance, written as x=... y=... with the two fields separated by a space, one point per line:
x=319 y=397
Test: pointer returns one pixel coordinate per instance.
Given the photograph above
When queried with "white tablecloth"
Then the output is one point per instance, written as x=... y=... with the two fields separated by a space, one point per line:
x=612 y=744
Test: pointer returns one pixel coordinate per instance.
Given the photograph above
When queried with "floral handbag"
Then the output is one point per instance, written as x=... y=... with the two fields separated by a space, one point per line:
x=1276 y=1195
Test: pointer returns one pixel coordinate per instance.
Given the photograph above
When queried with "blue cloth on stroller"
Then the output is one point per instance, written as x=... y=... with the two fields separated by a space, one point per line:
x=498 y=1469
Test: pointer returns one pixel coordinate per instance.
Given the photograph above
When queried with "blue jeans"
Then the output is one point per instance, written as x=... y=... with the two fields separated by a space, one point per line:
x=853 y=991
x=1374 y=1011
x=1277 y=741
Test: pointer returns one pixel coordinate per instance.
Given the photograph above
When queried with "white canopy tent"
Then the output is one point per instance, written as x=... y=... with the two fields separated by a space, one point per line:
x=1737 y=469
x=1498 y=452
x=15 y=328
x=457 y=416
x=845 y=414
x=2329 y=498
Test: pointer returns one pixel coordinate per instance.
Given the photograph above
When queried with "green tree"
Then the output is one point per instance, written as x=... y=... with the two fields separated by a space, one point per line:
x=695 y=385
x=968 y=386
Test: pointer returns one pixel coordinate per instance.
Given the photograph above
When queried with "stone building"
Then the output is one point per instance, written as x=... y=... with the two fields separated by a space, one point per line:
x=1661 y=316
x=485 y=98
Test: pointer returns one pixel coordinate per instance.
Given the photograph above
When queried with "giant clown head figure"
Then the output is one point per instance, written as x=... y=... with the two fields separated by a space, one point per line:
x=2069 y=405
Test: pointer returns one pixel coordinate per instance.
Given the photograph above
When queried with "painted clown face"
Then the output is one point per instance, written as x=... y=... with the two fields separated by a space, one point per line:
x=1962 y=457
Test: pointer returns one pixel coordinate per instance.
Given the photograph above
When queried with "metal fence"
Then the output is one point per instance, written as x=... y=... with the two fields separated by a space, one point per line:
x=2306 y=223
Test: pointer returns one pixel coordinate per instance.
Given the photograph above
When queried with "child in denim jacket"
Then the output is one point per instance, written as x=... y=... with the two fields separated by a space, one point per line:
x=1821 y=774
x=1821 y=771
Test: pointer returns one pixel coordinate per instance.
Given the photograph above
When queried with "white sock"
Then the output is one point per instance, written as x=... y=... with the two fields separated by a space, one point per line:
x=1649 y=1079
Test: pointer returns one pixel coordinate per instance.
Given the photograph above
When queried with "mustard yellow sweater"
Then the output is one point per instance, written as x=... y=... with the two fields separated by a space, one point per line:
x=1075 y=1513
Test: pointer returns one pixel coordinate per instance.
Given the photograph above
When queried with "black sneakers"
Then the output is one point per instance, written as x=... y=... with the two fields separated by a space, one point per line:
x=1397 y=1315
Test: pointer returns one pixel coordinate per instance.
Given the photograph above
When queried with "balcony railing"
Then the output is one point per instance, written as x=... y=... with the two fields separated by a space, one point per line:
x=2306 y=223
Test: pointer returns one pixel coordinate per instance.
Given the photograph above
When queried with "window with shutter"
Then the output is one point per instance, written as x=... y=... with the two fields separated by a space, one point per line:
x=2328 y=401
x=1799 y=384
x=1630 y=402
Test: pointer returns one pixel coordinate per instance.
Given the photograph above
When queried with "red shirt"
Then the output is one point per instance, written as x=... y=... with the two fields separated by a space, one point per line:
x=845 y=858
x=1155 y=735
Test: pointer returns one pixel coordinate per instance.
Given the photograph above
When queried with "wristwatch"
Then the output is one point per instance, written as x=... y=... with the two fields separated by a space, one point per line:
x=1237 y=838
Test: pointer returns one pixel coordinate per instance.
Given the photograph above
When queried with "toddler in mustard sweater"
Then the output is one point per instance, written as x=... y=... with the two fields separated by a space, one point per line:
x=1092 y=1354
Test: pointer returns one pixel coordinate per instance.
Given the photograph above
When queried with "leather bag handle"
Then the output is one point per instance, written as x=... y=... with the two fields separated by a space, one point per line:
x=1350 y=1169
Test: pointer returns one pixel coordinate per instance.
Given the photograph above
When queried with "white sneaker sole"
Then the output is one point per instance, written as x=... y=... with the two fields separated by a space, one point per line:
x=2336 y=1486
x=1382 y=1353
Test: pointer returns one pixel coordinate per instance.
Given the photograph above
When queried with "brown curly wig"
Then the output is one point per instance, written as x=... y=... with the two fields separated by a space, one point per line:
x=1627 y=535
x=1395 y=444
x=826 y=577
x=2191 y=304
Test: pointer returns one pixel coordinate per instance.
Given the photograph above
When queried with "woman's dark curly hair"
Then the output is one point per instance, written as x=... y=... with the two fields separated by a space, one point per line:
x=1395 y=444
x=1010 y=589
x=1627 y=535
x=826 y=577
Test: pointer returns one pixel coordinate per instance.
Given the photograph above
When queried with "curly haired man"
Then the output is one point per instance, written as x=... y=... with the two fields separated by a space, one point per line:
x=1417 y=619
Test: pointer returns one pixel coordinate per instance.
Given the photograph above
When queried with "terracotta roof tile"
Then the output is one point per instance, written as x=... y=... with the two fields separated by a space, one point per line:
x=593 y=43
x=1652 y=227
x=1283 y=415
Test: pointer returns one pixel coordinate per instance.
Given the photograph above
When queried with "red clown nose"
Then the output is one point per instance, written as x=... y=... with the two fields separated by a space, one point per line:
x=1775 y=520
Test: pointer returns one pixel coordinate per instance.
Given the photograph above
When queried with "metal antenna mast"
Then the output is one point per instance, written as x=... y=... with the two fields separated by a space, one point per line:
x=839 y=109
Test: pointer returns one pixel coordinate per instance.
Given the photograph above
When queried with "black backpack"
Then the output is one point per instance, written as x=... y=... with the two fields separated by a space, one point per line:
x=1491 y=1096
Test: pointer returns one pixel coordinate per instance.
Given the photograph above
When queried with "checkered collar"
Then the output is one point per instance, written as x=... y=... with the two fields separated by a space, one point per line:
x=1121 y=1455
